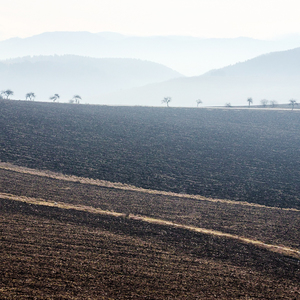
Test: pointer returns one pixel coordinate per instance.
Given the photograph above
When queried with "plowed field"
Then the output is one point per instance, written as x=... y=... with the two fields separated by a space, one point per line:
x=243 y=155
x=148 y=203
x=62 y=248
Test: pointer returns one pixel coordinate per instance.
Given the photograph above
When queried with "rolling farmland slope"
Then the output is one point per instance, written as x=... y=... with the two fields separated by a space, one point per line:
x=242 y=155
x=66 y=237
x=102 y=202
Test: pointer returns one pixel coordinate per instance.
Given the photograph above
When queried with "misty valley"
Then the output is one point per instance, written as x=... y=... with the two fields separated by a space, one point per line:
x=111 y=69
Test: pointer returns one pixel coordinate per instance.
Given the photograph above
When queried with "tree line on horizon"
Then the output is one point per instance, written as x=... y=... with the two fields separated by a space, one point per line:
x=264 y=102
x=6 y=94
x=76 y=99
x=273 y=103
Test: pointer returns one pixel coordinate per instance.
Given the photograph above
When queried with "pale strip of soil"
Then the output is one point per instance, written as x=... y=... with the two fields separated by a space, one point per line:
x=39 y=201
x=121 y=186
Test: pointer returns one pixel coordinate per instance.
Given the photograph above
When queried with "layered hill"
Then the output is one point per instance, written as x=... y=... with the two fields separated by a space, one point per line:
x=273 y=76
x=69 y=74
x=190 y=56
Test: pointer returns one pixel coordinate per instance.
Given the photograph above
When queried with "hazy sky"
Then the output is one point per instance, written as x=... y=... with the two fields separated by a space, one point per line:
x=204 y=18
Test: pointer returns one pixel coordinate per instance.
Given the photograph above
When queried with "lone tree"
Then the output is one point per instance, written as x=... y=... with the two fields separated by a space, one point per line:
x=228 y=104
x=30 y=96
x=7 y=93
x=273 y=103
x=293 y=102
x=76 y=99
x=166 y=100
x=264 y=102
x=199 y=101
x=54 y=98
x=250 y=101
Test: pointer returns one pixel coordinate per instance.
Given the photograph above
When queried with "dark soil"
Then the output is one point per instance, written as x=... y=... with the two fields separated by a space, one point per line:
x=52 y=253
x=273 y=226
x=242 y=155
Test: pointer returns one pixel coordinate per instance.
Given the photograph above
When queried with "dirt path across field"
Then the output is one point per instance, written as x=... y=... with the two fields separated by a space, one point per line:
x=38 y=201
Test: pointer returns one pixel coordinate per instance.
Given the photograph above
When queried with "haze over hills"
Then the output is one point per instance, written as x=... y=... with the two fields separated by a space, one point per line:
x=190 y=56
x=128 y=81
x=273 y=76
x=68 y=75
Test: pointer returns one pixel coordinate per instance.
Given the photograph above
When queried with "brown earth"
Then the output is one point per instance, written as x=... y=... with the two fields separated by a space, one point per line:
x=268 y=224
x=49 y=252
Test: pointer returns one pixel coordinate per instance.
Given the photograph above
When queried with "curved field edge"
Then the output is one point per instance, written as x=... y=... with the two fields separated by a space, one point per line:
x=269 y=225
x=274 y=248
x=127 y=187
x=241 y=155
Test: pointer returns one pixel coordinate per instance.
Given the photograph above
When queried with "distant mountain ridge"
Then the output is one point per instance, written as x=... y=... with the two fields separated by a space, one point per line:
x=188 y=55
x=274 y=76
x=281 y=62
x=69 y=74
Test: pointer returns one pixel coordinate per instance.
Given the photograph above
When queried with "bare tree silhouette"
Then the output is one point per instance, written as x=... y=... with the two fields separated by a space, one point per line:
x=7 y=93
x=30 y=96
x=54 y=98
x=273 y=103
x=264 y=102
x=293 y=102
x=166 y=100
x=76 y=99
x=250 y=101
x=199 y=101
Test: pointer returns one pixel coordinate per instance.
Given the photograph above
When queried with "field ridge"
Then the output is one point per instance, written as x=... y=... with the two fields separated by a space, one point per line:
x=39 y=201
x=127 y=187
